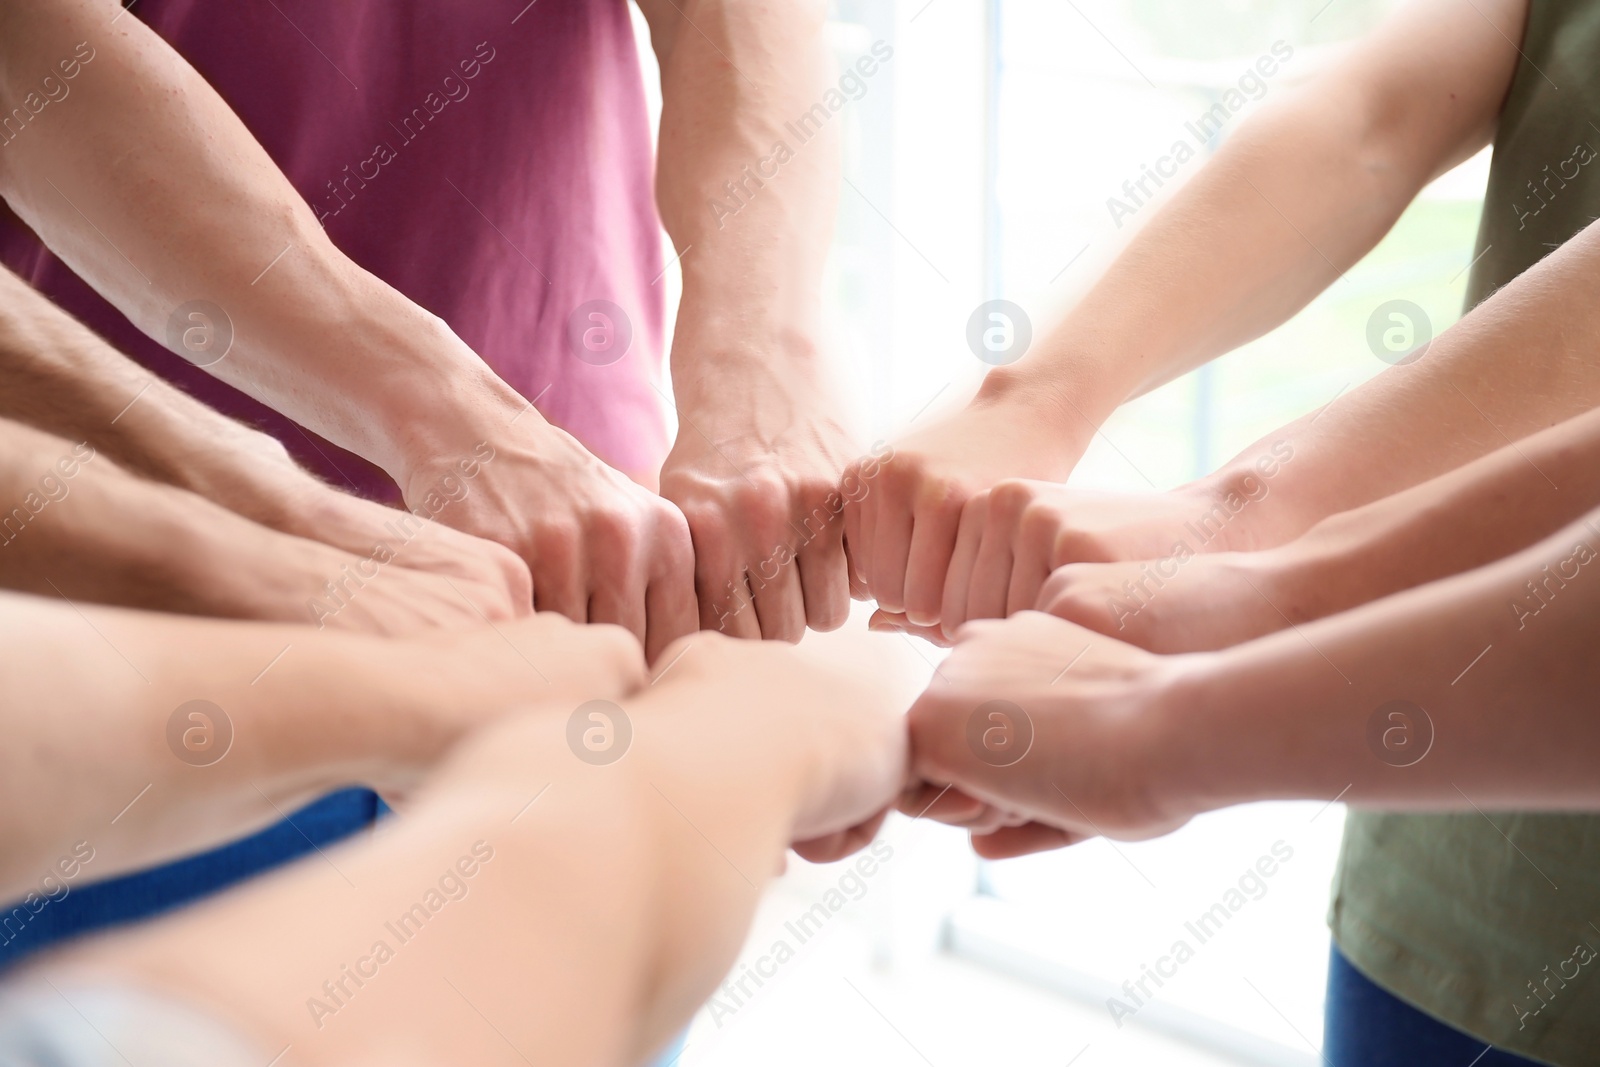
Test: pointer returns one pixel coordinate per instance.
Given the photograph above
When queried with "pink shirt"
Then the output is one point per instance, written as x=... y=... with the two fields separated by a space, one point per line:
x=490 y=159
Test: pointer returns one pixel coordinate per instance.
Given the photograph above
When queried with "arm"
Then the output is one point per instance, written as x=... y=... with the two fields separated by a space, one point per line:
x=557 y=930
x=1464 y=518
x=1495 y=710
x=747 y=187
x=1517 y=364
x=91 y=696
x=55 y=374
x=1295 y=196
x=191 y=216
x=75 y=525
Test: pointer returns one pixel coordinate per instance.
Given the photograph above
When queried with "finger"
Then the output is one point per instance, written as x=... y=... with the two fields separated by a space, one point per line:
x=560 y=579
x=1056 y=597
x=889 y=622
x=933 y=537
x=836 y=846
x=869 y=534
x=514 y=573
x=671 y=608
x=671 y=612
x=991 y=577
x=852 y=522
x=1028 y=575
x=1053 y=589
x=852 y=556
x=723 y=595
x=945 y=804
x=1010 y=841
x=825 y=580
x=733 y=612
x=963 y=558
x=891 y=543
x=619 y=601
x=780 y=605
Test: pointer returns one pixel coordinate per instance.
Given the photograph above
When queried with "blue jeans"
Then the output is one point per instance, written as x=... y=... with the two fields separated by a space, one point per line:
x=1367 y=1026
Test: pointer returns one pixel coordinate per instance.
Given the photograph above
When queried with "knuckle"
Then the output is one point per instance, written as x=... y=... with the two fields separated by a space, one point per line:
x=763 y=499
x=556 y=544
x=1038 y=526
x=1010 y=497
x=617 y=641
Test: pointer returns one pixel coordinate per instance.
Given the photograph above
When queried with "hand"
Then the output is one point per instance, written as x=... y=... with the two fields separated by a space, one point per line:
x=465 y=679
x=1014 y=535
x=756 y=469
x=1168 y=605
x=901 y=531
x=374 y=593
x=835 y=709
x=487 y=671
x=488 y=573
x=1085 y=713
x=252 y=474
x=601 y=548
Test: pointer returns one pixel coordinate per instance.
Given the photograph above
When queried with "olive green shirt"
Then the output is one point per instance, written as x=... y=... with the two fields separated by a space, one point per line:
x=1491 y=922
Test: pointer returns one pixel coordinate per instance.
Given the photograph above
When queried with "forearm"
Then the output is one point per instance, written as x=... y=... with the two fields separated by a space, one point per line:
x=583 y=911
x=748 y=178
x=1292 y=198
x=77 y=526
x=62 y=378
x=1498 y=660
x=185 y=217
x=1465 y=518
x=98 y=695
x=1519 y=363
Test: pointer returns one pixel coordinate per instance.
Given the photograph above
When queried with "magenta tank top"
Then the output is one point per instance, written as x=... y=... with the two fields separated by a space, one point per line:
x=490 y=159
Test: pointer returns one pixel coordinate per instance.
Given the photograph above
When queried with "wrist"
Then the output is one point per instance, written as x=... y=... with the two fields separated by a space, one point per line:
x=1311 y=577
x=706 y=734
x=352 y=708
x=760 y=299
x=1187 y=756
x=1243 y=501
x=420 y=392
x=714 y=361
x=1062 y=421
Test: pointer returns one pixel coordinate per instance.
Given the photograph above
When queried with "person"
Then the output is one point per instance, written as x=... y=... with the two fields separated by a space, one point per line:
x=152 y=499
x=351 y=330
x=1051 y=733
x=181 y=733
x=432 y=150
x=513 y=912
x=1291 y=199
x=176 y=507
x=1432 y=530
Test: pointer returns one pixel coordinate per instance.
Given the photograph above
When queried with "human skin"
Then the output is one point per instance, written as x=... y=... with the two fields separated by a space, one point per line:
x=761 y=443
x=1296 y=195
x=1131 y=744
x=399 y=387
x=318 y=338
x=1465 y=518
x=561 y=944
x=1516 y=365
x=75 y=525
x=90 y=693
x=58 y=376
